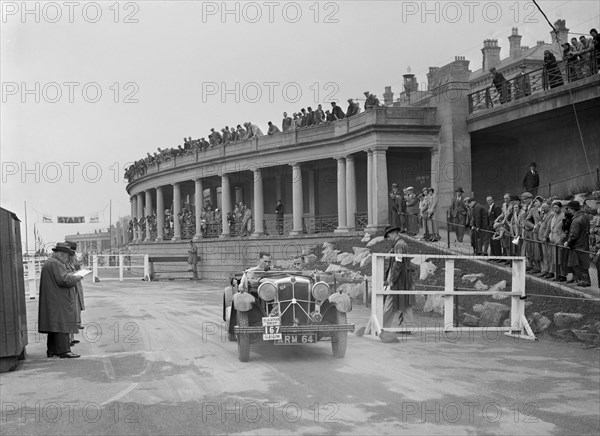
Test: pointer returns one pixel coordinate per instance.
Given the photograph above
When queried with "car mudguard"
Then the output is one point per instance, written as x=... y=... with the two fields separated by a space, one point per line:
x=243 y=301
x=342 y=302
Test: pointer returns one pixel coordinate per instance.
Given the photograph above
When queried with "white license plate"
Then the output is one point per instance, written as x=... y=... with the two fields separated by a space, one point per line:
x=271 y=328
x=296 y=340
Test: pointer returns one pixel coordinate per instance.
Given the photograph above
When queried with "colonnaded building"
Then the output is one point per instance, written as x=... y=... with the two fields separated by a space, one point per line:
x=334 y=179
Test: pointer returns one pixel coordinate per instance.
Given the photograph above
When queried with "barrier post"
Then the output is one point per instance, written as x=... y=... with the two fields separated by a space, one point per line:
x=448 y=226
x=146 y=267
x=449 y=299
x=95 y=269
x=121 y=258
x=377 y=299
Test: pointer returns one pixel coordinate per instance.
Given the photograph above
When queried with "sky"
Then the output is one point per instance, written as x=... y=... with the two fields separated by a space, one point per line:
x=89 y=87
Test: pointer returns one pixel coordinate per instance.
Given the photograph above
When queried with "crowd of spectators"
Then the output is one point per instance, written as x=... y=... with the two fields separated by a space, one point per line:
x=581 y=59
x=239 y=221
x=228 y=135
x=410 y=211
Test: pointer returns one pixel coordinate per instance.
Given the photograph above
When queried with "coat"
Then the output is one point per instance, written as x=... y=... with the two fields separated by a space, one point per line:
x=557 y=234
x=400 y=276
x=479 y=218
x=458 y=207
x=57 y=312
x=493 y=214
x=579 y=232
x=412 y=205
x=531 y=180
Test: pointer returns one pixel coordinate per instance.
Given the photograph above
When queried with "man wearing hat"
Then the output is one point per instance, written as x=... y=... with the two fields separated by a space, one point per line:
x=578 y=241
x=395 y=199
x=372 y=101
x=73 y=265
x=458 y=213
x=398 y=276
x=531 y=180
x=522 y=83
x=412 y=211
x=337 y=112
x=57 y=312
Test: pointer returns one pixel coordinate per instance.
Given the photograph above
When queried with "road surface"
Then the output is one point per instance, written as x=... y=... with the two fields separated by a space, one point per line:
x=155 y=360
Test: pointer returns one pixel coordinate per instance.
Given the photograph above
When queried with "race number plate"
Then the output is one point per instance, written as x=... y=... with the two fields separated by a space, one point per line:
x=271 y=328
x=296 y=340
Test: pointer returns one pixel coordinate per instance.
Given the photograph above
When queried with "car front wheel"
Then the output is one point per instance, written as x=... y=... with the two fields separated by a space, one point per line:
x=243 y=339
x=339 y=340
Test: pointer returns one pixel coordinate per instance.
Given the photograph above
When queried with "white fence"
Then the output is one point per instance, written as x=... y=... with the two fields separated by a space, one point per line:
x=131 y=264
x=519 y=327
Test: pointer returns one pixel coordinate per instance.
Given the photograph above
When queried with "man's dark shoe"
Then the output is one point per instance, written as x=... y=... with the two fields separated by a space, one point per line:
x=69 y=355
x=535 y=271
x=49 y=354
x=571 y=281
x=562 y=279
x=74 y=341
x=232 y=337
x=583 y=284
x=549 y=276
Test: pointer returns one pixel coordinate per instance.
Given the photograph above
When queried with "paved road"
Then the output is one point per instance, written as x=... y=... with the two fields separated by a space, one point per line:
x=155 y=361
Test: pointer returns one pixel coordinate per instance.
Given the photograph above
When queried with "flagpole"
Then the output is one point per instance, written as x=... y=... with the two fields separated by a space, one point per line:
x=26 y=239
x=110 y=227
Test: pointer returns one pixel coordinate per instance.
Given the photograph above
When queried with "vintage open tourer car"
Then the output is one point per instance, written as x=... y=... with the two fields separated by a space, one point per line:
x=286 y=308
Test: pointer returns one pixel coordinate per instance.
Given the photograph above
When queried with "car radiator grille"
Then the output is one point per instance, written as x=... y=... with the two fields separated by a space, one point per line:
x=301 y=292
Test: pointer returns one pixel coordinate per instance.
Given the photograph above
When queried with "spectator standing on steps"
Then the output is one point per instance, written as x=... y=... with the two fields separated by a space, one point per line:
x=531 y=180
x=578 y=241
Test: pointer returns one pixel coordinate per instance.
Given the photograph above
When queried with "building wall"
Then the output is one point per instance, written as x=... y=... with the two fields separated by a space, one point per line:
x=501 y=154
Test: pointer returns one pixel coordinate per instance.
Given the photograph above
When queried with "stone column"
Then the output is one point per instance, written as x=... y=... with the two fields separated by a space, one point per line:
x=369 y=189
x=225 y=204
x=148 y=213
x=350 y=192
x=198 y=199
x=259 y=205
x=176 y=211
x=380 y=190
x=297 y=199
x=160 y=214
x=140 y=214
x=133 y=200
x=341 y=195
x=435 y=181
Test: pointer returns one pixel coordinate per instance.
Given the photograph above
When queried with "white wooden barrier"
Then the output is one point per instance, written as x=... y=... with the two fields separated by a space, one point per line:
x=519 y=327
x=121 y=267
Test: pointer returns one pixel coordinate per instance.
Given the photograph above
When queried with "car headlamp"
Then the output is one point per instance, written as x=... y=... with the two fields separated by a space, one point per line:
x=320 y=291
x=267 y=291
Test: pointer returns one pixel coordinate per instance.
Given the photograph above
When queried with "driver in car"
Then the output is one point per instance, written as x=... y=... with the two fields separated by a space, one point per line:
x=264 y=264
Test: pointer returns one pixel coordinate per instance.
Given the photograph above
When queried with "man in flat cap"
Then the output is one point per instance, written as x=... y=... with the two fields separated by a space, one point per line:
x=531 y=180
x=458 y=214
x=578 y=241
x=57 y=312
x=372 y=101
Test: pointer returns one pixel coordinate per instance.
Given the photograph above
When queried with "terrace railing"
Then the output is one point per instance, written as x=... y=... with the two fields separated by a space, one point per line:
x=534 y=82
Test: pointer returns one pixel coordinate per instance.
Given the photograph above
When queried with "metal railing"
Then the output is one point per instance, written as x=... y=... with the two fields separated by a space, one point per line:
x=534 y=82
x=361 y=220
x=320 y=224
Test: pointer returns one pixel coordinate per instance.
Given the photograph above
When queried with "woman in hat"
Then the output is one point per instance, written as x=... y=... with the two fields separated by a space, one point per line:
x=57 y=312
x=557 y=237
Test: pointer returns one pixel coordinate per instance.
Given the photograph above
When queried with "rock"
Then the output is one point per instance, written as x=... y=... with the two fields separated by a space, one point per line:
x=419 y=303
x=470 y=320
x=478 y=308
x=481 y=286
x=360 y=331
x=375 y=241
x=348 y=259
x=311 y=258
x=345 y=288
x=434 y=303
x=333 y=268
x=500 y=286
x=327 y=246
x=565 y=320
x=365 y=261
x=330 y=256
x=538 y=323
x=472 y=277
x=358 y=250
x=565 y=334
x=388 y=337
x=359 y=257
x=357 y=291
x=493 y=314
x=427 y=270
x=506 y=323
x=341 y=256
x=591 y=338
x=366 y=238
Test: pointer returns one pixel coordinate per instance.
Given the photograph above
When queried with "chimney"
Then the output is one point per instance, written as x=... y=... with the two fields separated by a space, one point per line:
x=524 y=48
x=491 y=54
x=410 y=82
x=388 y=96
x=563 y=32
x=431 y=77
x=515 y=43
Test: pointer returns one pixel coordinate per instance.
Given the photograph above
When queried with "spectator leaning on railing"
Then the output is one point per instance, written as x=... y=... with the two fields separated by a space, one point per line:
x=578 y=239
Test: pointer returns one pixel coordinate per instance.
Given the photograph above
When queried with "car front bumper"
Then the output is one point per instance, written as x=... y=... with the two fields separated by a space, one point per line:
x=301 y=329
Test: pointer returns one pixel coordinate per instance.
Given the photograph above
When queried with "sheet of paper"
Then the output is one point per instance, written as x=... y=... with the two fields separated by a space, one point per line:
x=82 y=272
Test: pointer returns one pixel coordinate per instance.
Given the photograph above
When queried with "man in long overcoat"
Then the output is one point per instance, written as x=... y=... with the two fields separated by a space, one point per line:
x=57 y=313
x=579 y=242
x=458 y=213
x=398 y=276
